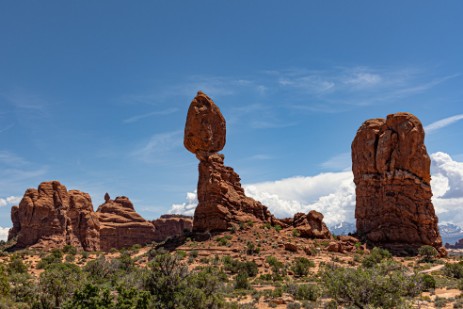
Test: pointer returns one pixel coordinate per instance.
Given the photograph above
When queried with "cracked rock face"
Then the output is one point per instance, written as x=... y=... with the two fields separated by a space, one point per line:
x=51 y=216
x=392 y=175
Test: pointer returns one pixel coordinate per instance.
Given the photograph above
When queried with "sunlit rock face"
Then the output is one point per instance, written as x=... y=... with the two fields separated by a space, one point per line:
x=392 y=176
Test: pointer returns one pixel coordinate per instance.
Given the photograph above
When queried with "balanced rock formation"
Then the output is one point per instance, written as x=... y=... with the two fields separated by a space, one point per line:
x=392 y=175
x=222 y=202
x=172 y=226
x=121 y=226
x=311 y=225
x=51 y=216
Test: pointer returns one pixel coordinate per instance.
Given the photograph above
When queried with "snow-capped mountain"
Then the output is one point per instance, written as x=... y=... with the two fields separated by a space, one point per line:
x=450 y=233
x=342 y=228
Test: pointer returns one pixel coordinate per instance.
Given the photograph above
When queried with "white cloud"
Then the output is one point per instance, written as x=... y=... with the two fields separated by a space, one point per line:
x=442 y=123
x=4 y=233
x=187 y=208
x=333 y=194
x=159 y=147
x=10 y=200
x=363 y=79
x=339 y=162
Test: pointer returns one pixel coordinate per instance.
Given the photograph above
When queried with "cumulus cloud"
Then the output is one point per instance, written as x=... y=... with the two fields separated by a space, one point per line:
x=4 y=233
x=333 y=194
x=187 y=208
x=10 y=200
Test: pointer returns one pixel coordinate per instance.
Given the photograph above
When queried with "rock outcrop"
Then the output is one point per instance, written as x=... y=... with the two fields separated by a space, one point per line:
x=222 y=202
x=172 y=226
x=121 y=226
x=311 y=225
x=392 y=175
x=457 y=245
x=51 y=216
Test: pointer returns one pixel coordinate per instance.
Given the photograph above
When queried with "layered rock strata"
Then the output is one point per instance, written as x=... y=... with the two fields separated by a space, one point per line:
x=222 y=202
x=169 y=226
x=121 y=226
x=392 y=176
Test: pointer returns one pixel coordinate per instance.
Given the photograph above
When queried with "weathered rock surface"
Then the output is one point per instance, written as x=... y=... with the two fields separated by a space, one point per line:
x=392 y=175
x=172 y=226
x=121 y=226
x=222 y=202
x=205 y=128
x=311 y=225
x=50 y=217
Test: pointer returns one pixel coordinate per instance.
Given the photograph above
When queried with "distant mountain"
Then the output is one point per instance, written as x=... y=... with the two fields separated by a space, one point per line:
x=450 y=233
x=342 y=228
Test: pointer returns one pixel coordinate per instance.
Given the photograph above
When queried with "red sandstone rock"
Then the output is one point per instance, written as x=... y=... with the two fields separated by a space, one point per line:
x=392 y=175
x=222 y=202
x=311 y=225
x=172 y=226
x=52 y=217
x=205 y=128
x=121 y=226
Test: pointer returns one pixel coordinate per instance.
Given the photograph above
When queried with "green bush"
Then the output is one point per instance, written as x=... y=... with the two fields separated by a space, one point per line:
x=454 y=270
x=383 y=285
x=242 y=282
x=428 y=282
x=301 y=266
x=428 y=253
x=376 y=256
x=16 y=265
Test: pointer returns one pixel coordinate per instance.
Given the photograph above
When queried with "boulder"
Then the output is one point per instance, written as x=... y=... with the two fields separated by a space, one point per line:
x=392 y=176
x=205 y=128
x=311 y=225
x=121 y=226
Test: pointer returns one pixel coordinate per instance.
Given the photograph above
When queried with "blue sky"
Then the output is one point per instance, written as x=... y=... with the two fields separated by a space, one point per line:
x=95 y=94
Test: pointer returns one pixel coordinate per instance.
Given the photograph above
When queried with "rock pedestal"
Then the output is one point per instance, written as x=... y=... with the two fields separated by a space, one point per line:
x=222 y=202
x=392 y=175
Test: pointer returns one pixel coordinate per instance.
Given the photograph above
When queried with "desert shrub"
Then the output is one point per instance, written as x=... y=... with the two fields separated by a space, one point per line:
x=303 y=291
x=98 y=270
x=59 y=280
x=55 y=256
x=70 y=249
x=454 y=270
x=235 y=266
x=23 y=288
x=16 y=265
x=126 y=262
x=181 y=254
x=428 y=282
x=383 y=285
x=301 y=266
x=376 y=256
x=194 y=254
x=242 y=282
x=90 y=296
x=171 y=285
x=4 y=284
x=278 y=228
x=251 y=248
x=428 y=253
x=296 y=233
x=224 y=240
x=278 y=270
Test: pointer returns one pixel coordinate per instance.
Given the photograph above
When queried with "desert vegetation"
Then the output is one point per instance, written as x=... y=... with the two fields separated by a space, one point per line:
x=237 y=269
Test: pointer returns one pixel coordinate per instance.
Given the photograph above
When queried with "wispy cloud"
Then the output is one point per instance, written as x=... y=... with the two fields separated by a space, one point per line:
x=151 y=114
x=11 y=159
x=442 y=123
x=159 y=147
x=339 y=162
